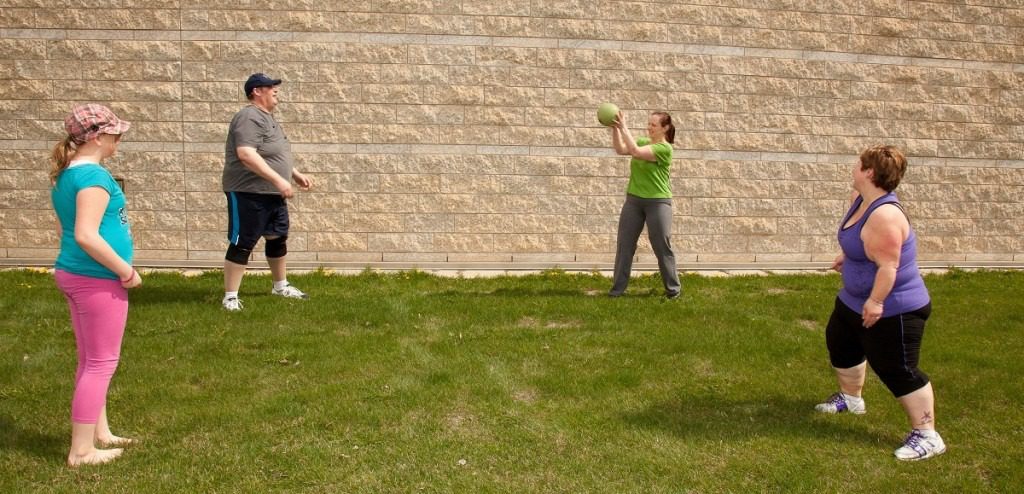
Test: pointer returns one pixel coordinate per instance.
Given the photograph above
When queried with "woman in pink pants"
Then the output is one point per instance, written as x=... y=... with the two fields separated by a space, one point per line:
x=93 y=270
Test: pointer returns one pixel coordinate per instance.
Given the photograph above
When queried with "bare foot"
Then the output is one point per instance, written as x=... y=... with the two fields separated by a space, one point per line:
x=94 y=457
x=113 y=441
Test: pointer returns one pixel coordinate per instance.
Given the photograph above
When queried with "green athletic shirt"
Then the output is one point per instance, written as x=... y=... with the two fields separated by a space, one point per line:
x=649 y=179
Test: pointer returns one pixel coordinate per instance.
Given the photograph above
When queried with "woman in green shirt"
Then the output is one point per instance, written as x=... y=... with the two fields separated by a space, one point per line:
x=648 y=200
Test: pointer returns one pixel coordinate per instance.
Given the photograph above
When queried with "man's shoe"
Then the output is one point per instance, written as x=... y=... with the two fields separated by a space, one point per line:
x=838 y=404
x=918 y=446
x=289 y=292
x=232 y=304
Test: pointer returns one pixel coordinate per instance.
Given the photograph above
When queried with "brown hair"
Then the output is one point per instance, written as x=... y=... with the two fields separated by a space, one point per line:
x=666 y=121
x=888 y=163
x=61 y=156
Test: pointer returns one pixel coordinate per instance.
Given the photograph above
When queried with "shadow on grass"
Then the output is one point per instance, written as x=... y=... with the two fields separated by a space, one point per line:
x=45 y=446
x=710 y=416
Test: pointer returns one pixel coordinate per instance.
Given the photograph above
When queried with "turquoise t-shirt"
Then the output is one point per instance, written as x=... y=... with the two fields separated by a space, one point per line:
x=649 y=179
x=114 y=227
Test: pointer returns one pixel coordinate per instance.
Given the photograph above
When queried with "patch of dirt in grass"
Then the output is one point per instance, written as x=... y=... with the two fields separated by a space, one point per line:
x=530 y=322
x=703 y=368
x=197 y=442
x=562 y=324
x=430 y=323
x=454 y=421
x=527 y=322
x=462 y=423
x=528 y=395
x=809 y=324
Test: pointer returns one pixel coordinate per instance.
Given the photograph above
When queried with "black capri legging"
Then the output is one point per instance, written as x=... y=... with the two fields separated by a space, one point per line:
x=892 y=346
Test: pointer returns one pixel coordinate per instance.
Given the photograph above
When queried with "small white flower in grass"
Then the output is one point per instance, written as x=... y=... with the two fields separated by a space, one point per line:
x=462 y=462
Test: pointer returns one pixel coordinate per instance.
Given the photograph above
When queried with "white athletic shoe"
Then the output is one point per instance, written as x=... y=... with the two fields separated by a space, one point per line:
x=232 y=304
x=839 y=404
x=289 y=292
x=918 y=446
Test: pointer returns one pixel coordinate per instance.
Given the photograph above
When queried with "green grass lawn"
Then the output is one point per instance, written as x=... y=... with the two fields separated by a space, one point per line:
x=415 y=383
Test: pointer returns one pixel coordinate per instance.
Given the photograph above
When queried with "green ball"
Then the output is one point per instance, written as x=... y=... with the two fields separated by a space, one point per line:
x=606 y=113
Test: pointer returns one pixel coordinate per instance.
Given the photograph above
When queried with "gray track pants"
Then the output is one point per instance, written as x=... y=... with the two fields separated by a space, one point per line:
x=657 y=215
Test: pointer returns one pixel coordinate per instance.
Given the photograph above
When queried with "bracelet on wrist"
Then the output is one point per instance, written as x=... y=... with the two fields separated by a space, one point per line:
x=130 y=277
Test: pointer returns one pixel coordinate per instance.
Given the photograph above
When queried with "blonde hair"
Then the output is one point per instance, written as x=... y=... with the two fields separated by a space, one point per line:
x=61 y=156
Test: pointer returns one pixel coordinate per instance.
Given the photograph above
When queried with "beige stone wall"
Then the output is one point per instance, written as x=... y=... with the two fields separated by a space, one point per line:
x=463 y=132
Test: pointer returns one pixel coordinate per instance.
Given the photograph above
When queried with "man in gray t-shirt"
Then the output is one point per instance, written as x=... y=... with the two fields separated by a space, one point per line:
x=258 y=171
x=253 y=127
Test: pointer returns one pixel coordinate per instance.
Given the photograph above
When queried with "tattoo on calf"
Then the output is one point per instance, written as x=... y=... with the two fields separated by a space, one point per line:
x=927 y=418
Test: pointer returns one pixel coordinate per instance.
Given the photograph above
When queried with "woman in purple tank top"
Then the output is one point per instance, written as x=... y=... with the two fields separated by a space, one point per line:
x=881 y=310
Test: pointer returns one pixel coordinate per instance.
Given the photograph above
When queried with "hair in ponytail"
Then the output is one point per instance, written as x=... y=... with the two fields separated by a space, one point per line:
x=666 y=121
x=61 y=156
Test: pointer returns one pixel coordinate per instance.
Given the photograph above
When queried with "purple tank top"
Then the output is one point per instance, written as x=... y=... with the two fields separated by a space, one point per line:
x=908 y=292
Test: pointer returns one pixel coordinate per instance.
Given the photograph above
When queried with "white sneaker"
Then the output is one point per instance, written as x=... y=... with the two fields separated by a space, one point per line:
x=289 y=292
x=918 y=446
x=837 y=403
x=232 y=304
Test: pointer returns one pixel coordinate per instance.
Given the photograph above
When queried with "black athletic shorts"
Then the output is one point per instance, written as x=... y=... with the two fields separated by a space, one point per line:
x=892 y=346
x=251 y=216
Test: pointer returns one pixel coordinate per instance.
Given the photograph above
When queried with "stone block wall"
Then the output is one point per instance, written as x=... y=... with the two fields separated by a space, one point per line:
x=463 y=133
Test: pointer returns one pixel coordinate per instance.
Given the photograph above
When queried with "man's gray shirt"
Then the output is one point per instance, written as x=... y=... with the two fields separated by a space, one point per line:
x=255 y=128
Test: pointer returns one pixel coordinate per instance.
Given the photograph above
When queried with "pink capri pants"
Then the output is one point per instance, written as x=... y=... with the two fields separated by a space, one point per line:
x=99 y=311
